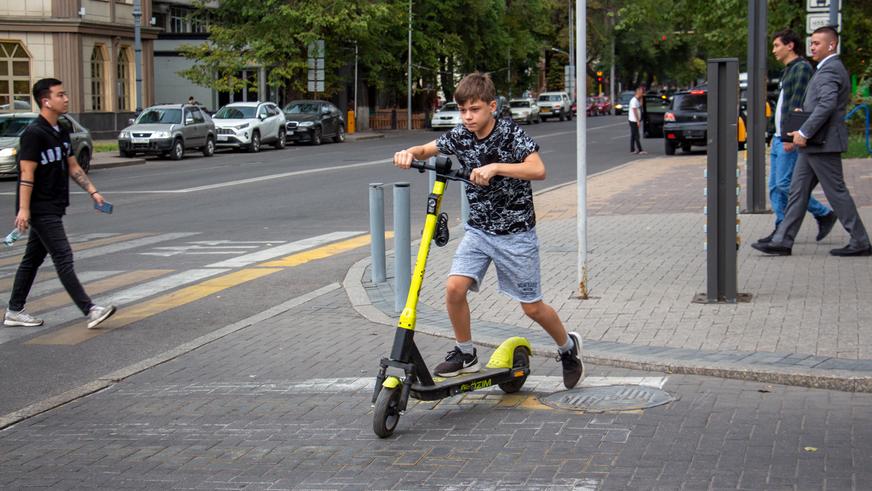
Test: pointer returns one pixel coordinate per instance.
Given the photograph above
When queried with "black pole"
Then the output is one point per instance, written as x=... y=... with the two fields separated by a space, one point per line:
x=757 y=57
x=721 y=180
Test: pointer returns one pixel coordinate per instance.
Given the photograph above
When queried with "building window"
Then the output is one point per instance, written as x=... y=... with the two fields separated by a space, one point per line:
x=98 y=78
x=125 y=101
x=14 y=77
x=185 y=21
x=178 y=20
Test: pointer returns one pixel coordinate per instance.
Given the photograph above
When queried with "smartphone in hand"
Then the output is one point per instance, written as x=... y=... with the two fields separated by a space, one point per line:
x=105 y=208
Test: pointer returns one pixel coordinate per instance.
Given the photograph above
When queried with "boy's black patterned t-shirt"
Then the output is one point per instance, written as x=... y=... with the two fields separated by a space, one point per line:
x=506 y=205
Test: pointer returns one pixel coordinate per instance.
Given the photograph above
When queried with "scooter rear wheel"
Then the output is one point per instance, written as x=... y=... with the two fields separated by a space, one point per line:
x=520 y=359
x=387 y=412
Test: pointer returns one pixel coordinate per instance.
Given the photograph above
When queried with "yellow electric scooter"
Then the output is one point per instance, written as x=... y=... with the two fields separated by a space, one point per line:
x=508 y=366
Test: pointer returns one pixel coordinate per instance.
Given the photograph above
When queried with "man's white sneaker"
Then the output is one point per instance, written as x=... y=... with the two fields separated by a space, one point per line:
x=20 y=318
x=98 y=314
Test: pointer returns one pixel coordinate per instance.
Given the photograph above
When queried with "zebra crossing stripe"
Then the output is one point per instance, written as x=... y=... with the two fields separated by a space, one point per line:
x=7 y=261
x=272 y=252
x=60 y=299
x=78 y=333
x=54 y=284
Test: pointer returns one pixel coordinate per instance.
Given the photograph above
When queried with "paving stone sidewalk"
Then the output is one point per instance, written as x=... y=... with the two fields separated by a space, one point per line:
x=285 y=404
x=809 y=321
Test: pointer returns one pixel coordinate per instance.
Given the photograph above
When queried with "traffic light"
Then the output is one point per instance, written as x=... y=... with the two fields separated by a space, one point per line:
x=599 y=77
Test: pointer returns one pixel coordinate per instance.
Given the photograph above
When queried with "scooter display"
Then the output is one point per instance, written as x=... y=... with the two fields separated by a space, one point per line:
x=508 y=367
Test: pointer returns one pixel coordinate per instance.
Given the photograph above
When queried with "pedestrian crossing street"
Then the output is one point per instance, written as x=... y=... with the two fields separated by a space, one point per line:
x=142 y=293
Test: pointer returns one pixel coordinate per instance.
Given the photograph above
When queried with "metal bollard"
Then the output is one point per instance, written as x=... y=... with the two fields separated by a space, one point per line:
x=464 y=203
x=402 y=245
x=431 y=175
x=377 y=231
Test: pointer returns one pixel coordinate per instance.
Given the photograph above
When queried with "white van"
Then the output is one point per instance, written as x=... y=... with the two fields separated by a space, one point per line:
x=555 y=104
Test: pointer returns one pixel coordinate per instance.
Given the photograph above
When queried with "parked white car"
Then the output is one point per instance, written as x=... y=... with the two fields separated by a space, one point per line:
x=448 y=116
x=249 y=125
x=555 y=104
x=525 y=110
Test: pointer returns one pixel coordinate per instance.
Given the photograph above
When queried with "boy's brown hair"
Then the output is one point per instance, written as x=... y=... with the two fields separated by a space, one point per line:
x=475 y=86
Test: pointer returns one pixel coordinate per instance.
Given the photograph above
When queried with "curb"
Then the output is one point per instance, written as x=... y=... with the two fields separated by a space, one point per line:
x=116 y=161
x=364 y=136
x=112 y=378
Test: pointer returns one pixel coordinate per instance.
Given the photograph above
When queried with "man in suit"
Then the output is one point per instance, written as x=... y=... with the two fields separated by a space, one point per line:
x=828 y=93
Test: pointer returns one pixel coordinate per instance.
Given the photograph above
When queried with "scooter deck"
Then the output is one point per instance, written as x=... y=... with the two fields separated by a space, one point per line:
x=467 y=382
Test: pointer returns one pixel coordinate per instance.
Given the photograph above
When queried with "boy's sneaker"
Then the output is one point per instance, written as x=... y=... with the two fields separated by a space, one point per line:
x=98 y=314
x=20 y=318
x=456 y=363
x=573 y=367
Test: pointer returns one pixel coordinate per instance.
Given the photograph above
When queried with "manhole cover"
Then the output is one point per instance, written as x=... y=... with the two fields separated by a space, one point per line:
x=609 y=398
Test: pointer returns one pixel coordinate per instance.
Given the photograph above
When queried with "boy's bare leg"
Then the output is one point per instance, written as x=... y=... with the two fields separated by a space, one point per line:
x=456 y=289
x=547 y=317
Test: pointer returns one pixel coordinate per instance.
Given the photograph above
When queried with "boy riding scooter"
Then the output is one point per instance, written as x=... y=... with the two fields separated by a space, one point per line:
x=503 y=160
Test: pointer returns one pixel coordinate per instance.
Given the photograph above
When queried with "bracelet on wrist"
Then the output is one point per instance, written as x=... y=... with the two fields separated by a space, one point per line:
x=93 y=193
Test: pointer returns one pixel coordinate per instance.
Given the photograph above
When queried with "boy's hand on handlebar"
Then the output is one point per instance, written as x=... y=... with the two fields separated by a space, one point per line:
x=481 y=176
x=403 y=159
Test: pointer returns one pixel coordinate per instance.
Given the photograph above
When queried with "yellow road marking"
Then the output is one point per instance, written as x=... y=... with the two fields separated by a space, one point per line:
x=59 y=299
x=8 y=261
x=321 y=252
x=78 y=333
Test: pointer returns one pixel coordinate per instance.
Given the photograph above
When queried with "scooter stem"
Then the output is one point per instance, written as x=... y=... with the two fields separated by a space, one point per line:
x=409 y=316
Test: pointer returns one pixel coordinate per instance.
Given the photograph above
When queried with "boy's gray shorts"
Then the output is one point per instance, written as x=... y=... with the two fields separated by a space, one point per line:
x=515 y=257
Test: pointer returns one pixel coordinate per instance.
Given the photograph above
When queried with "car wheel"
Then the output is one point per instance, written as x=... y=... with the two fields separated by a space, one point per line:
x=84 y=159
x=178 y=150
x=281 y=141
x=569 y=116
x=669 y=147
x=685 y=147
x=316 y=136
x=126 y=154
x=340 y=135
x=254 y=146
x=562 y=116
x=537 y=120
x=209 y=148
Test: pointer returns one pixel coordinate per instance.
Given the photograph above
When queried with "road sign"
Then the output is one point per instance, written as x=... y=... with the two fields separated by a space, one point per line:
x=315 y=63
x=814 y=21
x=819 y=5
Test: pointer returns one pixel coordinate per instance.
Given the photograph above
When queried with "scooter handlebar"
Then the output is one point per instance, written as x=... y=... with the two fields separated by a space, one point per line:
x=442 y=167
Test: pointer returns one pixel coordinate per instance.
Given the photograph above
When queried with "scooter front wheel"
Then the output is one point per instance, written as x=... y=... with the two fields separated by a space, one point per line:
x=387 y=412
x=520 y=359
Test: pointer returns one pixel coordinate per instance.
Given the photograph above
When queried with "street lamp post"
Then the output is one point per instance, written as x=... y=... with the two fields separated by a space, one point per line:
x=409 y=81
x=137 y=47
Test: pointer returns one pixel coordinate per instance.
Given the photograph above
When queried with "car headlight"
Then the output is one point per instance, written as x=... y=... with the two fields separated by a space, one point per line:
x=306 y=124
x=124 y=135
x=241 y=126
x=160 y=134
x=8 y=152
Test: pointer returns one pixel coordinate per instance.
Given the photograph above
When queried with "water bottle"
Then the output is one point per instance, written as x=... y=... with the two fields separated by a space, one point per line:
x=14 y=235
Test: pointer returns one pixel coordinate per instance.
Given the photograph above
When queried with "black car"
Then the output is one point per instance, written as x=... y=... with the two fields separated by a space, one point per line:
x=312 y=121
x=654 y=107
x=686 y=121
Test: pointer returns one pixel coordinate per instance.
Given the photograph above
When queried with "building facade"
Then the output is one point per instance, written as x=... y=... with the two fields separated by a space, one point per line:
x=89 y=45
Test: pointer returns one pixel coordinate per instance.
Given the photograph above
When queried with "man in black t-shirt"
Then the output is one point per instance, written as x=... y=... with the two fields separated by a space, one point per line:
x=46 y=164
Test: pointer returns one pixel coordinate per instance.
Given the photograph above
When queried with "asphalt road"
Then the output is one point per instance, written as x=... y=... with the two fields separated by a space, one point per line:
x=176 y=255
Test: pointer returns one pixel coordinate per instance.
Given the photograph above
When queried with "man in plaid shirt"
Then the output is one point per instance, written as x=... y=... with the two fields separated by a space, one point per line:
x=782 y=158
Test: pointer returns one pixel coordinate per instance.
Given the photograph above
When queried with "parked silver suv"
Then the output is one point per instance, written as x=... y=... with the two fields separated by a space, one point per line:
x=169 y=130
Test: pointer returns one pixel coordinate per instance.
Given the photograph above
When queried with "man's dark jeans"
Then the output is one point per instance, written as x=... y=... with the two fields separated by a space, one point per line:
x=47 y=236
x=634 y=137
